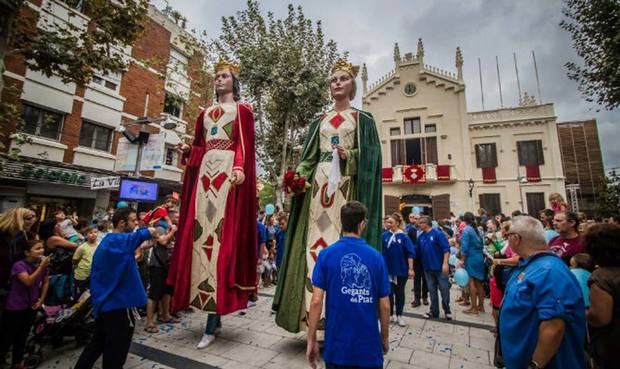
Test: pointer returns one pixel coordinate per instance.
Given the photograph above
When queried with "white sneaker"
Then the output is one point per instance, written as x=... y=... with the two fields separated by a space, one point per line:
x=251 y=304
x=205 y=341
x=393 y=319
x=400 y=321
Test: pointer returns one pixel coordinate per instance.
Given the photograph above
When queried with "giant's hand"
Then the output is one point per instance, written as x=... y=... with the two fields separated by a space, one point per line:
x=237 y=178
x=344 y=154
x=183 y=148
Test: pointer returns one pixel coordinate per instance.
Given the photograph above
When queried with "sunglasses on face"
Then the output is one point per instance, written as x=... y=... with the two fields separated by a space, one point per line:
x=29 y=217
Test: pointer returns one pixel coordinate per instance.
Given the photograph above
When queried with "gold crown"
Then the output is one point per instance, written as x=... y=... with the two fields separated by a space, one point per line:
x=343 y=65
x=223 y=64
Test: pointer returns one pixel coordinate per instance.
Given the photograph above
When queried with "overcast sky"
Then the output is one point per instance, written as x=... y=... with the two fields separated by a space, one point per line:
x=482 y=28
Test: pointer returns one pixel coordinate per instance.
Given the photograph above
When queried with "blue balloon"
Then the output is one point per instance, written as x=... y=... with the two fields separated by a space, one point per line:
x=461 y=277
x=269 y=209
x=122 y=205
x=452 y=260
x=415 y=210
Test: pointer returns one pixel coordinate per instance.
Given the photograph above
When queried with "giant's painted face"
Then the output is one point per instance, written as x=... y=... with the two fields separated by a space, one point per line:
x=223 y=82
x=341 y=85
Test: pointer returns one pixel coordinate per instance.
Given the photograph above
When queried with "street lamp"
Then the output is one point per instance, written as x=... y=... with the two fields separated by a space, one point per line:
x=471 y=184
x=521 y=179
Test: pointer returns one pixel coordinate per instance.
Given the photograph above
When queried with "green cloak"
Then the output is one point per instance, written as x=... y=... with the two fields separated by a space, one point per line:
x=364 y=167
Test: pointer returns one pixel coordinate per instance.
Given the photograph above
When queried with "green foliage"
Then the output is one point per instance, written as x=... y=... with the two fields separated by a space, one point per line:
x=267 y=195
x=285 y=66
x=608 y=197
x=77 y=49
x=595 y=28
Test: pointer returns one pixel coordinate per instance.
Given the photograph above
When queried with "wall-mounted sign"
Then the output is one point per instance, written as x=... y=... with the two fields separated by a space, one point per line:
x=99 y=183
x=153 y=153
x=126 y=156
x=43 y=173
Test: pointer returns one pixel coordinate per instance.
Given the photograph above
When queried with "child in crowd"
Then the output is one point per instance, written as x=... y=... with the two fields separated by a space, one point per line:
x=83 y=258
x=66 y=226
x=462 y=300
x=557 y=203
x=582 y=266
x=103 y=228
x=160 y=217
x=269 y=265
x=27 y=292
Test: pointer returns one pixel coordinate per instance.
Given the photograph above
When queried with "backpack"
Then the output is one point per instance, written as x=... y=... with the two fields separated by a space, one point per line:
x=148 y=218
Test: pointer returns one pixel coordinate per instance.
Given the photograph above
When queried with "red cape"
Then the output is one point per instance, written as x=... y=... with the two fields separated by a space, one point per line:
x=236 y=264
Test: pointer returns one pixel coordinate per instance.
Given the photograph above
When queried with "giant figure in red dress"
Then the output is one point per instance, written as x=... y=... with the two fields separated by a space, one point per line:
x=213 y=266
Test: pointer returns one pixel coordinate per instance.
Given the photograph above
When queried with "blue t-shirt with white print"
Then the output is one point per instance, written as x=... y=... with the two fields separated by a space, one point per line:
x=354 y=277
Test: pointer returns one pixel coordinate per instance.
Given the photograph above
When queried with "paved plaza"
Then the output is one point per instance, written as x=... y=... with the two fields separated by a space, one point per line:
x=254 y=341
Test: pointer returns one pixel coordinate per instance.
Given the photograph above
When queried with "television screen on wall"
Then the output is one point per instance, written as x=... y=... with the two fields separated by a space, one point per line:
x=135 y=190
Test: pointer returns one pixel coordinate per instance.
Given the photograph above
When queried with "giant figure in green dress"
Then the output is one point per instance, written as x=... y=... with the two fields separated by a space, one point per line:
x=341 y=160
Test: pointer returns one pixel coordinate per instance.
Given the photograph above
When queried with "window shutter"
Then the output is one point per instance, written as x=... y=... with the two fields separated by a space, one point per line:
x=539 y=152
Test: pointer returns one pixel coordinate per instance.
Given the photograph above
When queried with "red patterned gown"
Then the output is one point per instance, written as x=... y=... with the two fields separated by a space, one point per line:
x=213 y=266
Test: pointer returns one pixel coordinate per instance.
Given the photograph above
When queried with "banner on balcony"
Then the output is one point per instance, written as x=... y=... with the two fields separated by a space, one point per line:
x=443 y=172
x=488 y=175
x=386 y=174
x=414 y=174
x=532 y=173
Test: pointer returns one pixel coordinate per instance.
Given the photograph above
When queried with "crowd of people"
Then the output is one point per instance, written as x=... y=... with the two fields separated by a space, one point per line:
x=552 y=278
x=541 y=274
x=50 y=263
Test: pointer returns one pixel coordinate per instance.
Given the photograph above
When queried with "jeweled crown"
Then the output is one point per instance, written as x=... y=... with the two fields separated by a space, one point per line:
x=342 y=64
x=224 y=64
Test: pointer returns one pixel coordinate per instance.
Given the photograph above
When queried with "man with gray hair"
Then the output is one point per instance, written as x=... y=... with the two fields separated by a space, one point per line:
x=542 y=301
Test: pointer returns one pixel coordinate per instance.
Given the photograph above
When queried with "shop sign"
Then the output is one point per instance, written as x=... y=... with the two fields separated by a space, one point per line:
x=44 y=173
x=104 y=182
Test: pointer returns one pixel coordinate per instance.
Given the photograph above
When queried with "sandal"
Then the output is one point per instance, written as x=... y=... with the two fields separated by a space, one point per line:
x=464 y=303
x=471 y=311
x=151 y=329
x=172 y=320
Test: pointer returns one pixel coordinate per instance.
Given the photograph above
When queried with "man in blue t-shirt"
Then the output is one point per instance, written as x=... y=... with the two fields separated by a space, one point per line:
x=542 y=319
x=420 y=287
x=116 y=291
x=434 y=249
x=354 y=277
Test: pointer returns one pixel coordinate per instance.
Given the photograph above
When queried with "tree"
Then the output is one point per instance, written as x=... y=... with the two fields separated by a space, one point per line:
x=608 y=197
x=595 y=29
x=285 y=66
x=266 y=194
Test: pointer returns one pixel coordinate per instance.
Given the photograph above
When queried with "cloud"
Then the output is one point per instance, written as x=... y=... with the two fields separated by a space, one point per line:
x=482 y=28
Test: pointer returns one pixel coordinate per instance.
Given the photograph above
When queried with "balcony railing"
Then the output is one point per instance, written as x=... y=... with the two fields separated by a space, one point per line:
x=428 y=173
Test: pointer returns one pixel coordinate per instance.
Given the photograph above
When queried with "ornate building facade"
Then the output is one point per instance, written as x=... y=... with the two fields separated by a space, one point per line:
x=441 y=158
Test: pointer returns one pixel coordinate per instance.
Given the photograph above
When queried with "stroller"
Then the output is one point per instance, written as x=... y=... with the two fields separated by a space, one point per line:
x=57 y=323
